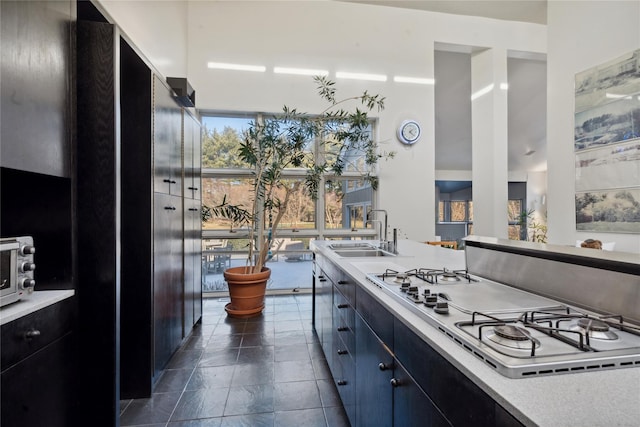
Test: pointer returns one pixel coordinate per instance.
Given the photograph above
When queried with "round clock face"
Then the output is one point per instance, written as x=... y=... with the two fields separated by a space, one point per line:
x=409 y=132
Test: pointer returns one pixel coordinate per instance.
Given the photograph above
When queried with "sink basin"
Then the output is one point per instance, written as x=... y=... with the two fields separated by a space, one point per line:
x=351 y=246
x=363 y=253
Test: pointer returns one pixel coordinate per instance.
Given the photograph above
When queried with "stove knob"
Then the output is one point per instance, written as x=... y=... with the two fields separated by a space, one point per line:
x=431 y=300
x=27 y=250
x=426 y=292
x=442 y=307
x=27 y=283
x=27 y=266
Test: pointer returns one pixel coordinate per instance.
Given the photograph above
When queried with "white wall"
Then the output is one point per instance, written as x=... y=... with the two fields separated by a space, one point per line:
x=344 y=37
x=157 y=28
x=581 y=35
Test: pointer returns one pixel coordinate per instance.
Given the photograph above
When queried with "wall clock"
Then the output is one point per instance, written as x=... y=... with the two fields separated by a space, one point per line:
x=409 y=132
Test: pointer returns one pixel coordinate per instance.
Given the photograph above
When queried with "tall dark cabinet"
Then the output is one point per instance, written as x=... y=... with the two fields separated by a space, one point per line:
x=155 y=300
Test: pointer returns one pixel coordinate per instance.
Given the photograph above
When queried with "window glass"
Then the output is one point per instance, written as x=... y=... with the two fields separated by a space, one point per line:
x=301 y=209
x=236 y=191
x=441 y=211
x=346 y=203
x=458 y=211
x=515 y=210
x=221 y=137
x=295 y=136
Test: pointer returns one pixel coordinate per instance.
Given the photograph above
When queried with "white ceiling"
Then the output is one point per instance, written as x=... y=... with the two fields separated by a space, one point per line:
x=534 y=11
x=527 y=87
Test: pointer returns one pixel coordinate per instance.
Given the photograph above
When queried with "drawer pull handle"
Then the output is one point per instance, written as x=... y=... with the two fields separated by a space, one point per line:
x=343 y=305
x=31 y=334
x=343 y=328
x=170 y=181
x=394 y=382
x=342 y=382
x=193 y=188
x=382 y=366
x=341 y=352
x=170 y=208
x=323 y=280
x=342 y=282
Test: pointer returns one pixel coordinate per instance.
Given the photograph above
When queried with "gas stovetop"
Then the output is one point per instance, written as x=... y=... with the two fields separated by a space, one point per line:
x=518 y=333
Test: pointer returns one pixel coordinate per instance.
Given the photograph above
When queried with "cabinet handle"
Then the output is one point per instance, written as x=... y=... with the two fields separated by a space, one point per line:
x=321 y=277
x=31 y=334
x=193 y=209
x=342 y=282
x=342 y=382
x=343 y=328
x=343 y=305
x=382 y=366
x=192 y=188
x=323 y=280
x=394 y=382
x=170 y=181
x=170 y=208
x=341 y=352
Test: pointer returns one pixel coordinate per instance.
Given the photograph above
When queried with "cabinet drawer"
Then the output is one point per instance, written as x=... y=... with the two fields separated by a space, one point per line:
x=30 y=333
x=345 y=337
x=375 y=315
x=344 y=375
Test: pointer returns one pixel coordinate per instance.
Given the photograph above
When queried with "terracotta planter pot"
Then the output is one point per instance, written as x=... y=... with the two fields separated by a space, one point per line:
x=246 y=290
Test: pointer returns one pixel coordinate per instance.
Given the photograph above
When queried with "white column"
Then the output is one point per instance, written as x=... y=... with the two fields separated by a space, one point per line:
x=489 y=142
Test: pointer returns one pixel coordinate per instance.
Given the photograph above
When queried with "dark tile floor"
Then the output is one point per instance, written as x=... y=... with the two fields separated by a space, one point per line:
x=265 y=371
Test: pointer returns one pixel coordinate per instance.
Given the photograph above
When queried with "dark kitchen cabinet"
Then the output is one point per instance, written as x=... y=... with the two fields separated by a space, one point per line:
x=132 y=219
x=374 y=372
x=445 y=385
x=38 y=369
x=411 y=405
x=192 y=160
x=37 y=96
x=168 y=292
x=400 y=380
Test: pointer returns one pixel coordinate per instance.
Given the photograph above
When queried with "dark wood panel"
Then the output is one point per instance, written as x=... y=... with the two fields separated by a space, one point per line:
x=36 y=86
x=374 y=397
x=445 y=385
x=51 y=322
x=36 y=395
x=136 y=367
x=98 y=229
x=377 y=317
x=168 y=289
x=412 y=407
x=23 y=216
x=167 y=137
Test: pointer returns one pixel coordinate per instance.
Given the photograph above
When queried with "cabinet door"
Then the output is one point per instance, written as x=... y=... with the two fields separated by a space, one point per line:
x=411 y=406
x=41 y=390
x=192 y=161
x=36 y=93
x=167 y=140
x=192 y=265
x=374 y=371
x=167 y=283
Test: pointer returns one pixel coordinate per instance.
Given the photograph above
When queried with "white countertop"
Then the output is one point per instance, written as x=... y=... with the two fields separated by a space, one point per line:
x=590 y=399
x=31 y=303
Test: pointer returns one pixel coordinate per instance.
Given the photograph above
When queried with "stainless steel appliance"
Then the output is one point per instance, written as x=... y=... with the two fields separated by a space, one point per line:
x=518 y=333
x=16 y=268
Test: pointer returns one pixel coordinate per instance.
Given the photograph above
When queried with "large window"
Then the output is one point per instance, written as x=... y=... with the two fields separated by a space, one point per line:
x=339 y=212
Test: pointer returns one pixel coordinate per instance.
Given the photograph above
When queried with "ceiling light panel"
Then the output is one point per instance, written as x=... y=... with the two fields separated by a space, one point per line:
x=300 y=71
x=236 y=67
x=414 y=80
x=361 y=76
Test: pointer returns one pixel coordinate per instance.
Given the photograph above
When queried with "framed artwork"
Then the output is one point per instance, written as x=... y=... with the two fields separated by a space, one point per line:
x=607 y=146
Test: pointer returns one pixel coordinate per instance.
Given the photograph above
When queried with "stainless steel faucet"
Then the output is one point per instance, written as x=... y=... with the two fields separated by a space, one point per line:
x=383 y=240
x=379 y=222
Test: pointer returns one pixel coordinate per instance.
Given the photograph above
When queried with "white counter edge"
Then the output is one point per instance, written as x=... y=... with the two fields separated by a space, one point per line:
x=32 y=303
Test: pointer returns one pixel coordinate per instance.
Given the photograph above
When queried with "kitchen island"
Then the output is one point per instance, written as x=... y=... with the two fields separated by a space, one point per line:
x=609 y=397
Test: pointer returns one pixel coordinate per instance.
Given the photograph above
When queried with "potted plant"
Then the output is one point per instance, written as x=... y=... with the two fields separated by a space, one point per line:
x=281 y=142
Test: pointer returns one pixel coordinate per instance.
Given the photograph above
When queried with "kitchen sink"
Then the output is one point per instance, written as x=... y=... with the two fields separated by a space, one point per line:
x=363 y=253
x=352 y=246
